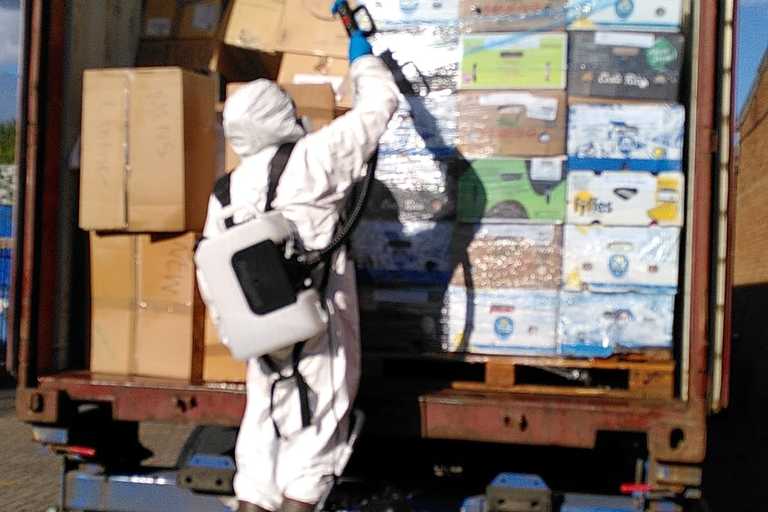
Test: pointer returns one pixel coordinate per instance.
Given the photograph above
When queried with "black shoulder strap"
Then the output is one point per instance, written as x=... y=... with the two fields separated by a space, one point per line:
x=221 y=193
x=276 y=168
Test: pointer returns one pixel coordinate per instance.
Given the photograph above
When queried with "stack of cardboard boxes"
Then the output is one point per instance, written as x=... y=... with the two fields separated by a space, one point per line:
x=625 y=182
x=152 y=148
x=536 y=186
x=148 y=161
x=508 y=216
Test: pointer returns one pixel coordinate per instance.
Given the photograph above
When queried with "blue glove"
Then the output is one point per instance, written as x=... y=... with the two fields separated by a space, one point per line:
x=336 y=6
x=358 y=46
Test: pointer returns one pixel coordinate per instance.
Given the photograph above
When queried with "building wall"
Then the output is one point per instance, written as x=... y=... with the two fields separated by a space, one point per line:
x=751 y=239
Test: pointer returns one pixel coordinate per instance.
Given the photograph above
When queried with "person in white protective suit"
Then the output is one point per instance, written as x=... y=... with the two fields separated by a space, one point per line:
x=280 y=465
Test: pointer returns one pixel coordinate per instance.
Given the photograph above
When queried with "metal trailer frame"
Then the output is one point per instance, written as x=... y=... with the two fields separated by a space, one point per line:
x=675 y=429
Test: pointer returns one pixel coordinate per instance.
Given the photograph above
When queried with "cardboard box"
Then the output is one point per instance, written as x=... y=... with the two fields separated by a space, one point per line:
x=621 y=259
x=516 y=60
x=309 y=69
x=626 y=198
x=226 y=63
x=393 y=253
x=315 y=101
x=147 y=317
x=403 y=320
x=521 y=322
x=647 y=15
x=597 y=324
x=414 y=188
x=422 y=125
x=428 y=56
x=626 y=136
x=512 y=123
x=148 y=150
x=199 y=19
x=506 y=16
x=218 y=363
x=159 y=19
x=295 y=26
x=626 y=65
x=505 y=256
x=397 y=15
x=500 y=189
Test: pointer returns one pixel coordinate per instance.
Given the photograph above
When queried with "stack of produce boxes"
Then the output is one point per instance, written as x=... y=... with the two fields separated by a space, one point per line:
x=511 y=203
x=403 y=247
x=625 y=181
x=509 y=217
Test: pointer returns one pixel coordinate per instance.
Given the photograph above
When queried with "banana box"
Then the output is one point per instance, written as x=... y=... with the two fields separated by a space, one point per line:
x=428 y=55
x=395 y=253
x=625 y=198
x=643 y=15
x=489 y=321
x=626 y=136
x=621 y=259
x=399 y=14
x=422 y=125
x=599 y=324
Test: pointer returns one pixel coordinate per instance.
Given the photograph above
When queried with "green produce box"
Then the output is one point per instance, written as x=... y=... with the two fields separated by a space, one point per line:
x=511 y=189
x=514 y=60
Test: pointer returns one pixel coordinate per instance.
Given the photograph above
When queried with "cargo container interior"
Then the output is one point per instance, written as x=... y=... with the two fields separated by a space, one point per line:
x=51 y=310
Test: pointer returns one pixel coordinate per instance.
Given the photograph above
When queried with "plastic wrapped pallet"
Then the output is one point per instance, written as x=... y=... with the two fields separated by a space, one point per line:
x=626 y=198
x=414 y=188
x=508 y=256
x=599 y=324
x=399 y=14
x=621 y=259
x=409 y=319
x=633 y=65
x=626 y=136
x=422 y=126
x=510 y=189
x=506 y=16
x=502 y=321
x=643 y=15
x=393 y=253
x=512 y=123
x=515 y=60
x=428 y=55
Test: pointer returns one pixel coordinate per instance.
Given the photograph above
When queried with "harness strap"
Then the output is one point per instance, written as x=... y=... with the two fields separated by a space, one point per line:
x=222 y=195
x=276 y=169
x=301 y=385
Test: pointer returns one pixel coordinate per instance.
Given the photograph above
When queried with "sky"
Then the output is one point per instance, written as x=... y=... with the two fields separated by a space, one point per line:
x=752 y=20
x=9 y=55
x=752 y=43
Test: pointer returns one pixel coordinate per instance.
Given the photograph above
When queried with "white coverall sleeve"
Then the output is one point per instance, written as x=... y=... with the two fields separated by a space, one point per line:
x=344 y=146
x=326 y=163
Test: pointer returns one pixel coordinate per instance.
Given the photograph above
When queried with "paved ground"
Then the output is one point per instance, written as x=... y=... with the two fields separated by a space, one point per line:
x=29 y=477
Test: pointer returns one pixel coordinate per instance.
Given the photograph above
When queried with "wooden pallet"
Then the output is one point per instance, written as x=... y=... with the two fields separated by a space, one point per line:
x=646 y=379
x=637 y=375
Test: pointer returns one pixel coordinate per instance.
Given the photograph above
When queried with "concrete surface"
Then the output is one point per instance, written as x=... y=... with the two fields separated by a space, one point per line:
x=29 y=479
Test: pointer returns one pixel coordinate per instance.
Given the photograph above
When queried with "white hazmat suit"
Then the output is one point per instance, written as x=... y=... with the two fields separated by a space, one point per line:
x=311 y=194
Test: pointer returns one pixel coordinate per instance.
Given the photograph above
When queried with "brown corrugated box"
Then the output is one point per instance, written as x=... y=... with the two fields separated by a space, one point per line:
x=159 y=19
x=314 y=101
x=218 y=363
x=148 y=150
x=512 y=123
x=308 y=69
x=295 y=26
x=147 y=317
x=227 y=63
x=506 y=16
x=199 y=19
